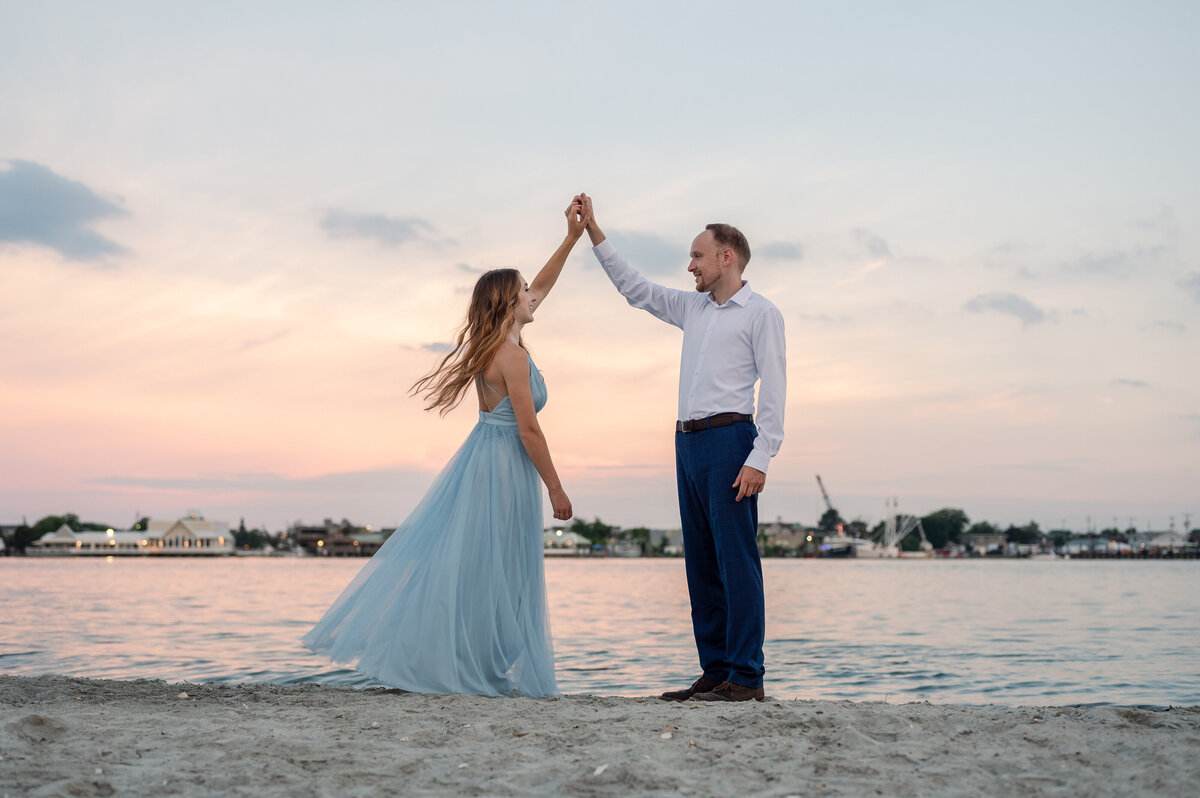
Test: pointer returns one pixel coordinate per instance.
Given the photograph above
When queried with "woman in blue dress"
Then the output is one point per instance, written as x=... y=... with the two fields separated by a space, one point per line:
x=455 y=600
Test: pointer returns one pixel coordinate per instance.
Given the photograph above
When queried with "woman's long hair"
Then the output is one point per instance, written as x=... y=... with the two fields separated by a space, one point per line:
x=489 y=319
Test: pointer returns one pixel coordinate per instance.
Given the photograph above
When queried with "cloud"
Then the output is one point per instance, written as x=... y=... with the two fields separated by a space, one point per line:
x=873 y=245
x=824 y=318
x=1131 y=383
x=1165 y=326
x=1193 y=418
x=1117 y=263
x=440 y=347
x=254 y=343
x=1064 y=464
x=651 y=254
x=387 y=230
x=347 y=483
x=1161 y=222
x=1191 y=284
x=1008 y=304
x=782 y=250
x=38 y=206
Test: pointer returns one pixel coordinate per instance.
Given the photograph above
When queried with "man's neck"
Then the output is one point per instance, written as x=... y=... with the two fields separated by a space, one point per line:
x=726 y=288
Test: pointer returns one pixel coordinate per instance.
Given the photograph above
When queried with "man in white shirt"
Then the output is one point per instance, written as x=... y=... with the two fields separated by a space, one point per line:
x=732 y=338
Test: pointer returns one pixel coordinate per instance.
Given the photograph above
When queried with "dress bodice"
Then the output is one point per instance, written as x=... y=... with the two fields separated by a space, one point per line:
x=503 y=414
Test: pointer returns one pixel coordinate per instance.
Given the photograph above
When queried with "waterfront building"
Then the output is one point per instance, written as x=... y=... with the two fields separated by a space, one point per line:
x=789 y=540
x=1158 y=541
x=191 y=536
x=561 y=543
x=984 y=542
x=1096 y=545
x=338 y=539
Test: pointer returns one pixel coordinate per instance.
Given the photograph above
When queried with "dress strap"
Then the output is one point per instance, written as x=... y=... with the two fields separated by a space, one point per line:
x=492 y=407
x=485 y=382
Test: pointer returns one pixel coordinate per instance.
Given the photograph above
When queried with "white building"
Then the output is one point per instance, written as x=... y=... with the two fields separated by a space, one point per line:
x=561 y=543
x=1162 y=541
x=191 y=536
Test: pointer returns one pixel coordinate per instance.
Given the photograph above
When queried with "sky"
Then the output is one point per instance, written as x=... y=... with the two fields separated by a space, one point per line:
x=232 y=235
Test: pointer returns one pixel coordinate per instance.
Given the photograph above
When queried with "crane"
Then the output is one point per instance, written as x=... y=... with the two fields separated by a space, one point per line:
x=824 y=495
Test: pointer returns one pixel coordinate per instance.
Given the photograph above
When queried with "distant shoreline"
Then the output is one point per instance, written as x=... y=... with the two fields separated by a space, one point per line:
x=1192 y=556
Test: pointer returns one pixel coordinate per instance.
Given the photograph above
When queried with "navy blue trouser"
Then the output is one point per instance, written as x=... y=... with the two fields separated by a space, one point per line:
x=720 y=546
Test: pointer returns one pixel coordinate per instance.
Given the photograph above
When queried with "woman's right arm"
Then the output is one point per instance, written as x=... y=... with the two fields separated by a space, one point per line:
x=514 y=366
x=548 y=276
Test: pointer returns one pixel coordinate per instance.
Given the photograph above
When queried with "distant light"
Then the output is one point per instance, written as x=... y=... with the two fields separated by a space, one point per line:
x=112 y=542
x=320 y=543
x=368 y=527
x=356 y=542
x=558 y=532
x=809 y=538
x=109 y=533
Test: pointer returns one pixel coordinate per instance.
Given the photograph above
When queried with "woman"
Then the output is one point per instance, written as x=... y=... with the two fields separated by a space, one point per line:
x=455 y=600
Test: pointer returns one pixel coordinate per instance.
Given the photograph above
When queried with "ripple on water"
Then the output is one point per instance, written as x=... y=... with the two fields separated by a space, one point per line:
x=967 y=632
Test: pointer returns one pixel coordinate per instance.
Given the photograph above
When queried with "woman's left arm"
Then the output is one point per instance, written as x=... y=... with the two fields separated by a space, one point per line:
x=576 y=223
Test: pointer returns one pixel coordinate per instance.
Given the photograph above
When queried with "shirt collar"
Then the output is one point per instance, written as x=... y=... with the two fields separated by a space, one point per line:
x=741 y=298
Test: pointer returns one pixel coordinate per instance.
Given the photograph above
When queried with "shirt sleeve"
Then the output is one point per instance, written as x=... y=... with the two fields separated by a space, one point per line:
x=770 y=358
x=665 y=303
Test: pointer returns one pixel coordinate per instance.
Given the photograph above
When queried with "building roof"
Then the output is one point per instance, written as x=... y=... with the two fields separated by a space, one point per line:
x=561 y=537
x=64 y=534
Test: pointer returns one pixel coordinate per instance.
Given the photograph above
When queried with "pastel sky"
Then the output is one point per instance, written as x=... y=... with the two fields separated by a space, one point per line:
x=232 y=235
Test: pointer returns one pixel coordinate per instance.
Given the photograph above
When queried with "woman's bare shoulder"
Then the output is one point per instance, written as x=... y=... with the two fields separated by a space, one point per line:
x=509 y=354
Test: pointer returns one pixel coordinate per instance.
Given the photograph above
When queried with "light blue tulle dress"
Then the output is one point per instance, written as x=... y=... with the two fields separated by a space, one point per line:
x=455 y=600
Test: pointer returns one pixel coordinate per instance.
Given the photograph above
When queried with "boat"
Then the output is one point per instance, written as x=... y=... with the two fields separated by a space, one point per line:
x=896 y=528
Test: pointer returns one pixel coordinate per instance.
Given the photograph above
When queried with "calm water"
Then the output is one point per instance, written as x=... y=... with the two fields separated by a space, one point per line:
x=976 y=631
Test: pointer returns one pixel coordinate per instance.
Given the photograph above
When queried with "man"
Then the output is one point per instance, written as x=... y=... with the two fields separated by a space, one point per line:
x=732 y=338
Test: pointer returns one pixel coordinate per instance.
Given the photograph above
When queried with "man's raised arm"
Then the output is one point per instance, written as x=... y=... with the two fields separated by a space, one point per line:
x=664 y=303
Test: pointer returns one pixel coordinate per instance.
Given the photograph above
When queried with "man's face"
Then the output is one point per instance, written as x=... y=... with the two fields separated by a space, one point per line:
x=705 y=263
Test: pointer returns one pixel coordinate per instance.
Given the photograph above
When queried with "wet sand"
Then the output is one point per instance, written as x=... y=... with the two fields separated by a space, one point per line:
x=82 y=737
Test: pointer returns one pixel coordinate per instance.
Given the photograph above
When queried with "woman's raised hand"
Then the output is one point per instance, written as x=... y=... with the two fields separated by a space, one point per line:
x=577 y=217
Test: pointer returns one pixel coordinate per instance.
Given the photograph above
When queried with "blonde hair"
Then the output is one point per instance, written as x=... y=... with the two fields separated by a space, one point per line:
x=489 y=319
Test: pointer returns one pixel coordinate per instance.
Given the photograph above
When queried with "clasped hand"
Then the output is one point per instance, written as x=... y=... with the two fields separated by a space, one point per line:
x=579 y=215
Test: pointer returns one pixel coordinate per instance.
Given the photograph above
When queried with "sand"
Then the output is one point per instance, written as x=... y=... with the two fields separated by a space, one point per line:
x=83 y=737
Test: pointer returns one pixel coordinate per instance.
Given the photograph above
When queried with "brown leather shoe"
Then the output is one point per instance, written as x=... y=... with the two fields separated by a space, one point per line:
x=701 y=685
x=728 y=691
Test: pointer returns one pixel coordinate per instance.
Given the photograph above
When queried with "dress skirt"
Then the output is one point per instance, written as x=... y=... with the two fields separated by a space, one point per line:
x=455 y=600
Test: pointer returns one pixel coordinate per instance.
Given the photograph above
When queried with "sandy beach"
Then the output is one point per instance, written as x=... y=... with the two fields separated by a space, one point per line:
x=83 y=737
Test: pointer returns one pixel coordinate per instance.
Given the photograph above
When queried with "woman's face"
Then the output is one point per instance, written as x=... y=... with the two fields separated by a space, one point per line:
x=523 y=313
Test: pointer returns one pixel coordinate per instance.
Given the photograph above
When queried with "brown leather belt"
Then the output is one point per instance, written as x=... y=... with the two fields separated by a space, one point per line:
x=719 y=420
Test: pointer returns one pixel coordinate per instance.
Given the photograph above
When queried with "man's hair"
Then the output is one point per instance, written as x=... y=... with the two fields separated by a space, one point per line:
x=729 y=237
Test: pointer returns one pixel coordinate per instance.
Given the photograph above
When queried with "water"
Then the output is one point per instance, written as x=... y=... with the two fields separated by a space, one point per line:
x=970 y=632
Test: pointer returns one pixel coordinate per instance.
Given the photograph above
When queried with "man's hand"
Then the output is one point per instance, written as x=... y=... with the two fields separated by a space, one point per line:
x=593 y=230
x=749 y=482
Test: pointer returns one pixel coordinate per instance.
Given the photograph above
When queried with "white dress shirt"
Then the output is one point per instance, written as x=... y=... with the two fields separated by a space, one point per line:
x=726 y=349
